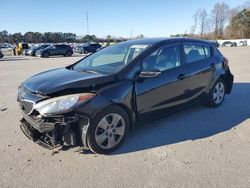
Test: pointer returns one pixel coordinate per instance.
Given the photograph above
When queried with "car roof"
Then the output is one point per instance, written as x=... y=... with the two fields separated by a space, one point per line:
x=154 y=41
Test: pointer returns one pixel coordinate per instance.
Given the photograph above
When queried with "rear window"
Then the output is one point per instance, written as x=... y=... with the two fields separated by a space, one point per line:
x=195 y=52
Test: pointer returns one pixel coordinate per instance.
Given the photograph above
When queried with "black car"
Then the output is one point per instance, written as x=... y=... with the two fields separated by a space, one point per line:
x=229 y=44
x=97 y=100
x=32 y=51
x=53 y=50
x=89 y=48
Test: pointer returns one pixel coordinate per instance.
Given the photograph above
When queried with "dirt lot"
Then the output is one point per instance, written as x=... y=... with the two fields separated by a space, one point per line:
x=197 y=147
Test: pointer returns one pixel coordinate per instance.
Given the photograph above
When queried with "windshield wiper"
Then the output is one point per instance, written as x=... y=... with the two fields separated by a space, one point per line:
x=90 y=71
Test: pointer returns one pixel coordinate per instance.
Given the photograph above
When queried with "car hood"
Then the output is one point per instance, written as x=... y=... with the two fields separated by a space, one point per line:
x=56 y=80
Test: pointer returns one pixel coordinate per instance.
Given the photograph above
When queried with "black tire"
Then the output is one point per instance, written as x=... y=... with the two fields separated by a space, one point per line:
x=68 y=54
x=85 y=51
x=93 y=129
x=216 y=101
x=45 y=55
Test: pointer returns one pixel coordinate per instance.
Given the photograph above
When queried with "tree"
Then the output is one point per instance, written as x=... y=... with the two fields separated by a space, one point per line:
x=141 y=36
x=220 y=15
x=108 y=39
x=240 y=25
x=17 y=37
x=4 y=36
x=28 y=37
x=195 y=17
x=202 y=20
x=88 y=38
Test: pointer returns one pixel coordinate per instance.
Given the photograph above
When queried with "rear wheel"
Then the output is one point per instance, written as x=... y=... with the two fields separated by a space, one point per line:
x=68 y=54
x=108 y=130
x=45 y=54
x=217 y=93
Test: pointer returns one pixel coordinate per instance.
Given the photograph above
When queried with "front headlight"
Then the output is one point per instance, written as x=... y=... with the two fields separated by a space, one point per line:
x=61 y=104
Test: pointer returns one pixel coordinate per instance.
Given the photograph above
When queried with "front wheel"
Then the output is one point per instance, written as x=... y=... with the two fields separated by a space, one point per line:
x=45 y=54
x=217 y=93
x=108 y=130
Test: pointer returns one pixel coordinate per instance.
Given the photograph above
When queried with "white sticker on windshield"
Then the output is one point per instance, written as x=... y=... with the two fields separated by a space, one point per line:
x=139 y=46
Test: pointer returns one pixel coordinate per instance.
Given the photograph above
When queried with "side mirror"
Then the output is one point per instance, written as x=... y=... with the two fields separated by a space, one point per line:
x=149 y=73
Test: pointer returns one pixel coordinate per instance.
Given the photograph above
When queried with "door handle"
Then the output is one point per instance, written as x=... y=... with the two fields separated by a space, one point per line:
x=181 y=77
x=212 y=65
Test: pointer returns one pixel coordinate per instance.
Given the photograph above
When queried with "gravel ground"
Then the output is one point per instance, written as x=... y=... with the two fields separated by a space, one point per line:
x=197 y=147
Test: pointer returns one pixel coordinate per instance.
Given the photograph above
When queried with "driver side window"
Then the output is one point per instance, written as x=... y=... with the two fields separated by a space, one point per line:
x=162 y=59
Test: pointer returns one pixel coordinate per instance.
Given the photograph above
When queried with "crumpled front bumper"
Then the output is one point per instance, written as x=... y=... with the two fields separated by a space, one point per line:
x=40 y=124
x=52 y=132
x=33 y=135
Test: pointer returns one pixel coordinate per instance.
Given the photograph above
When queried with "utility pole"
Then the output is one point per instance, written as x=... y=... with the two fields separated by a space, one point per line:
x=87 y=21
x=87 y=16
x=131 y=33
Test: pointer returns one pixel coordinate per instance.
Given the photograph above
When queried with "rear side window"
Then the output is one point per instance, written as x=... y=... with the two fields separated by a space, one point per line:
x=207 y=51
x=195 y=52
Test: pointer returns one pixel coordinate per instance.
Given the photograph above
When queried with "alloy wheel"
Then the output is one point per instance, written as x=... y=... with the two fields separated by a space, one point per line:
x=219 y=92
x=109 y=131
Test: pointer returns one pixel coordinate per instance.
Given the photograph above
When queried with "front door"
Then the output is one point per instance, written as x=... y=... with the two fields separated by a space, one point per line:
x=165 y=90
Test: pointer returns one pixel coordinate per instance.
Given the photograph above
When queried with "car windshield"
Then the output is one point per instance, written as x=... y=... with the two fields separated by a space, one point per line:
x=111 y=59
x=48 y=47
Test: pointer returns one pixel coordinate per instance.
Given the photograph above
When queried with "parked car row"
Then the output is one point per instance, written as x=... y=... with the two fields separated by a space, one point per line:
x=234 y=44
x=47 y=50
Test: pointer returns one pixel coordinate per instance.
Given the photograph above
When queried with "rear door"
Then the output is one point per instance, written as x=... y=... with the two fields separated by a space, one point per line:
x=199 y=67
x=92 y=47
x=61 y=50
x=166 y=90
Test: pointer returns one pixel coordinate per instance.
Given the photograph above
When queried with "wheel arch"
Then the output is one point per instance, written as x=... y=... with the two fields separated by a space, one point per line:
x=128 y=112
x=228 y=88
x=124 y=107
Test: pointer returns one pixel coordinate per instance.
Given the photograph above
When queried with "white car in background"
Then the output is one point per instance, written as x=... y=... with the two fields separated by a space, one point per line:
x=6 y=49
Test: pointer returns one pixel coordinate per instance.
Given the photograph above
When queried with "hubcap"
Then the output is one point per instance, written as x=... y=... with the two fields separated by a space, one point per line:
x=219 y=92
x=110 y=131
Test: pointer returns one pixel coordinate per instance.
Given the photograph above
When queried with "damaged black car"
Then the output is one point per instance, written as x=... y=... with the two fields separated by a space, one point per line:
x=96 y=101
